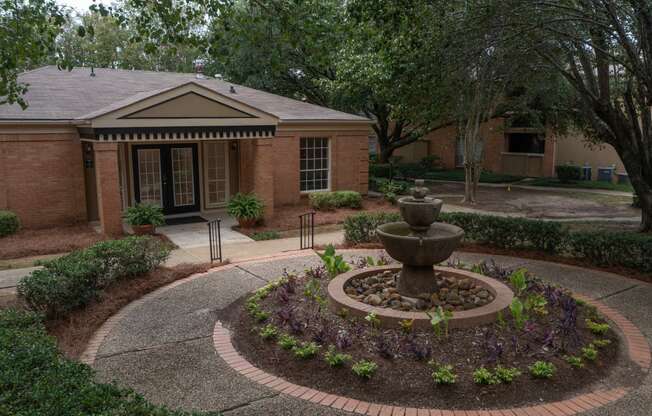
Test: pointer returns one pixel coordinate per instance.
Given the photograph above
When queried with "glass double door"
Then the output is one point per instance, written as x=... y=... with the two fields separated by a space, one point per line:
x=167 y=176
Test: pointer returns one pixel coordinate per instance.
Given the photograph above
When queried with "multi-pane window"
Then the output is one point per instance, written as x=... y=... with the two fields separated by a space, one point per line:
x=314 y=164
x=215 y=163
x=182 y=176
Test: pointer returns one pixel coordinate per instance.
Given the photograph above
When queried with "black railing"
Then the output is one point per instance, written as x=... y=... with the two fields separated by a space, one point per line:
x=215 y=240
x=307 y=230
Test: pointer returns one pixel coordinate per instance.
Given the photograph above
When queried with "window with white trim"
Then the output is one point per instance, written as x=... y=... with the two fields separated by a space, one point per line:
x=314 y=164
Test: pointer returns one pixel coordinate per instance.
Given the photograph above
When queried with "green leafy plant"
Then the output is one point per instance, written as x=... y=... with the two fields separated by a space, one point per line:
x=536 y=303
x=542 y=369
x=574 y=361
x=261 y=316
x=144 y=214
x=336 y=359
x=601 y=343
x=373 y=320
x=407 y=325
x=265 y=235
x=518 y=280
x=568 y=173
x=361 y=228
x=484 y=376
x=507 y=375
x=440 y=318
x=9 y=223
x=305 y=350
x=442 y=374
x=364 y=369
x=246 y=207
x=269 y=332
x=334 y=263
x=500 y=319
x=597 y=328
x=343 y=313
x=518 y=313
x=287 y=342
x=590 y=353
x=312 y=290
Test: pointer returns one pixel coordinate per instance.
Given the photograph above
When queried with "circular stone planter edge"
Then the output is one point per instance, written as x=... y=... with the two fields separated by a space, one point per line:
x=390 y=318
x=637 y=347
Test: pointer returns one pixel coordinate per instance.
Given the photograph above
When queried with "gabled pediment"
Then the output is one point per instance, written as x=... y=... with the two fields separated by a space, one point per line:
x=189 y=105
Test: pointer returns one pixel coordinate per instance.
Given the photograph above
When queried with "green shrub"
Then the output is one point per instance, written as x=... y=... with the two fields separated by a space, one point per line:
x=608 y=248
x=74 y=280
x=568 y=173
x=380 y=170
x=507 y=375
x=484 y=376
x=305 y=350
x=361 y=228
x=542 y=369
x=35 y=379
x=364 y=369
x=597 y=328
x=601 y=343
x=590 y=353
x=144 y=214
x=574 y=361
x=411 y=170
x=266 y=235
x=269 y=332
x=246 y=206
x=430 y=162
x=443 y=374
x=287 y=342
x=9 y=223
x=336 y=359
x=337 y=199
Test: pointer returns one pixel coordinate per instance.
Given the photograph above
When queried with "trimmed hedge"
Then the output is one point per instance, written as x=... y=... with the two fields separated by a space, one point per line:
x=337 y=199
x=602 y=248
x=9 y=223
x=568 y=173
x=361 y=228
x=74 y=280
x=35 y=379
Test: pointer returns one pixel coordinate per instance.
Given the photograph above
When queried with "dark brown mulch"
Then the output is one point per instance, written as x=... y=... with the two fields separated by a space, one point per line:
x=287 y=217
x=76 y=330
x=28 y=243
x=406 y=381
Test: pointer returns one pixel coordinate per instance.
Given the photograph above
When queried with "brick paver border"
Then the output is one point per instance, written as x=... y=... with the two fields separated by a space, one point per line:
x=637 y=347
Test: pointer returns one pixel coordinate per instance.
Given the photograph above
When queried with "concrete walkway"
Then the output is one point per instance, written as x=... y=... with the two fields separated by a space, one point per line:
x=163 y=347
x=523 y=185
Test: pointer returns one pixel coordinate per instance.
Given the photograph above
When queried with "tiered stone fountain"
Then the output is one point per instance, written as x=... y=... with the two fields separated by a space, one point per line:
x=409 y=292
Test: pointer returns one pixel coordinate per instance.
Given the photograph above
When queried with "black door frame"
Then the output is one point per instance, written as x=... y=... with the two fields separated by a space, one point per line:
x=167 y=197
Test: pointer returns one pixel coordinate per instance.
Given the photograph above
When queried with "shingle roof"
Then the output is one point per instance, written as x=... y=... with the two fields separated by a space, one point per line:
x=74 y=95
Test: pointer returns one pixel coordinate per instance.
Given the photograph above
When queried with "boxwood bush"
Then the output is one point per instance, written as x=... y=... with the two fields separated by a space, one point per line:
x=337 y=199
x=74 y=280
x=9 y=223
x=361 y=228
x=35 y=379
x=606 y=248
x=568 y=173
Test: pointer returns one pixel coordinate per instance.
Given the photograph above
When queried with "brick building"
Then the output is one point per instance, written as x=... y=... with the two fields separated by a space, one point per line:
x=91 y=144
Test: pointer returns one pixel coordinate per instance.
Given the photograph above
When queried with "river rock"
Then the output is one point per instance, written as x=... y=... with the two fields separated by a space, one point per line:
x=373 y=300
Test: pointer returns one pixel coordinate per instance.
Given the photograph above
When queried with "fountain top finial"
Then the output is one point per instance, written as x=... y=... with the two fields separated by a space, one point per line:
x=419 y=191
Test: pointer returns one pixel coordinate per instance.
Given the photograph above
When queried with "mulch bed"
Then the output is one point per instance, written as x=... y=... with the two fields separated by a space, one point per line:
x=287 y=217
x=405 y=380
x=28 y=243
x=76 y=330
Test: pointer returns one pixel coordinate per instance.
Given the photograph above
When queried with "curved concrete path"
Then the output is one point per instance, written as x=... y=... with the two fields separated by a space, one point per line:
x=162 y=346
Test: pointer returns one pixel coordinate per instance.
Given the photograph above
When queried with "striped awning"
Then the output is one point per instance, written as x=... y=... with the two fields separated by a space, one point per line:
x=178 y=133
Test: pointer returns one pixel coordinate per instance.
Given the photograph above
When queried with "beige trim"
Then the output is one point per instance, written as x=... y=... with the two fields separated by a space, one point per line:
x=37 y=129
x=364 y=127
x=113 y=119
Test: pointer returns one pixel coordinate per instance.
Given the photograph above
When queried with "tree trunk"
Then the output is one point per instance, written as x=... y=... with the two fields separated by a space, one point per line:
x=644 y=192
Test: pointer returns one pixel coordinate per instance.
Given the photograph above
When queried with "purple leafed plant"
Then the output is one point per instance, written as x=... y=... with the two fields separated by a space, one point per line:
x=419 y=350
x=343 y=340
x=323 y=334
x=568 y=322
x=282 y=294
x=385 y=346
x=493 y=347
x=318 y=272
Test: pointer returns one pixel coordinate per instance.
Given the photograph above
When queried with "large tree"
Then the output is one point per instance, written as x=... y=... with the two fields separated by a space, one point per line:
x=27 y=33
x=603 y=49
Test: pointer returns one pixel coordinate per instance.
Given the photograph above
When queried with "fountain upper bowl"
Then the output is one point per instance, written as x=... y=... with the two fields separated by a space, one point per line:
x=420 y=213
x=433 y=246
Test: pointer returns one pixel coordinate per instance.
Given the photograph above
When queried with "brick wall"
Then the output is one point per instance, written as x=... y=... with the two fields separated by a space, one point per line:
x=42 y=176
x=348 y=162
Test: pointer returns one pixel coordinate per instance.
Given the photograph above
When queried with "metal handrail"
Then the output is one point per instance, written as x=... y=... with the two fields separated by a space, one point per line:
x=215 y=240
x=307 y=230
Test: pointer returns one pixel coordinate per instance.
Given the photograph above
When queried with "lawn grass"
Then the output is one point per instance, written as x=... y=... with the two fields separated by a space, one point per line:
x=458 y=175
x=554 y=182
